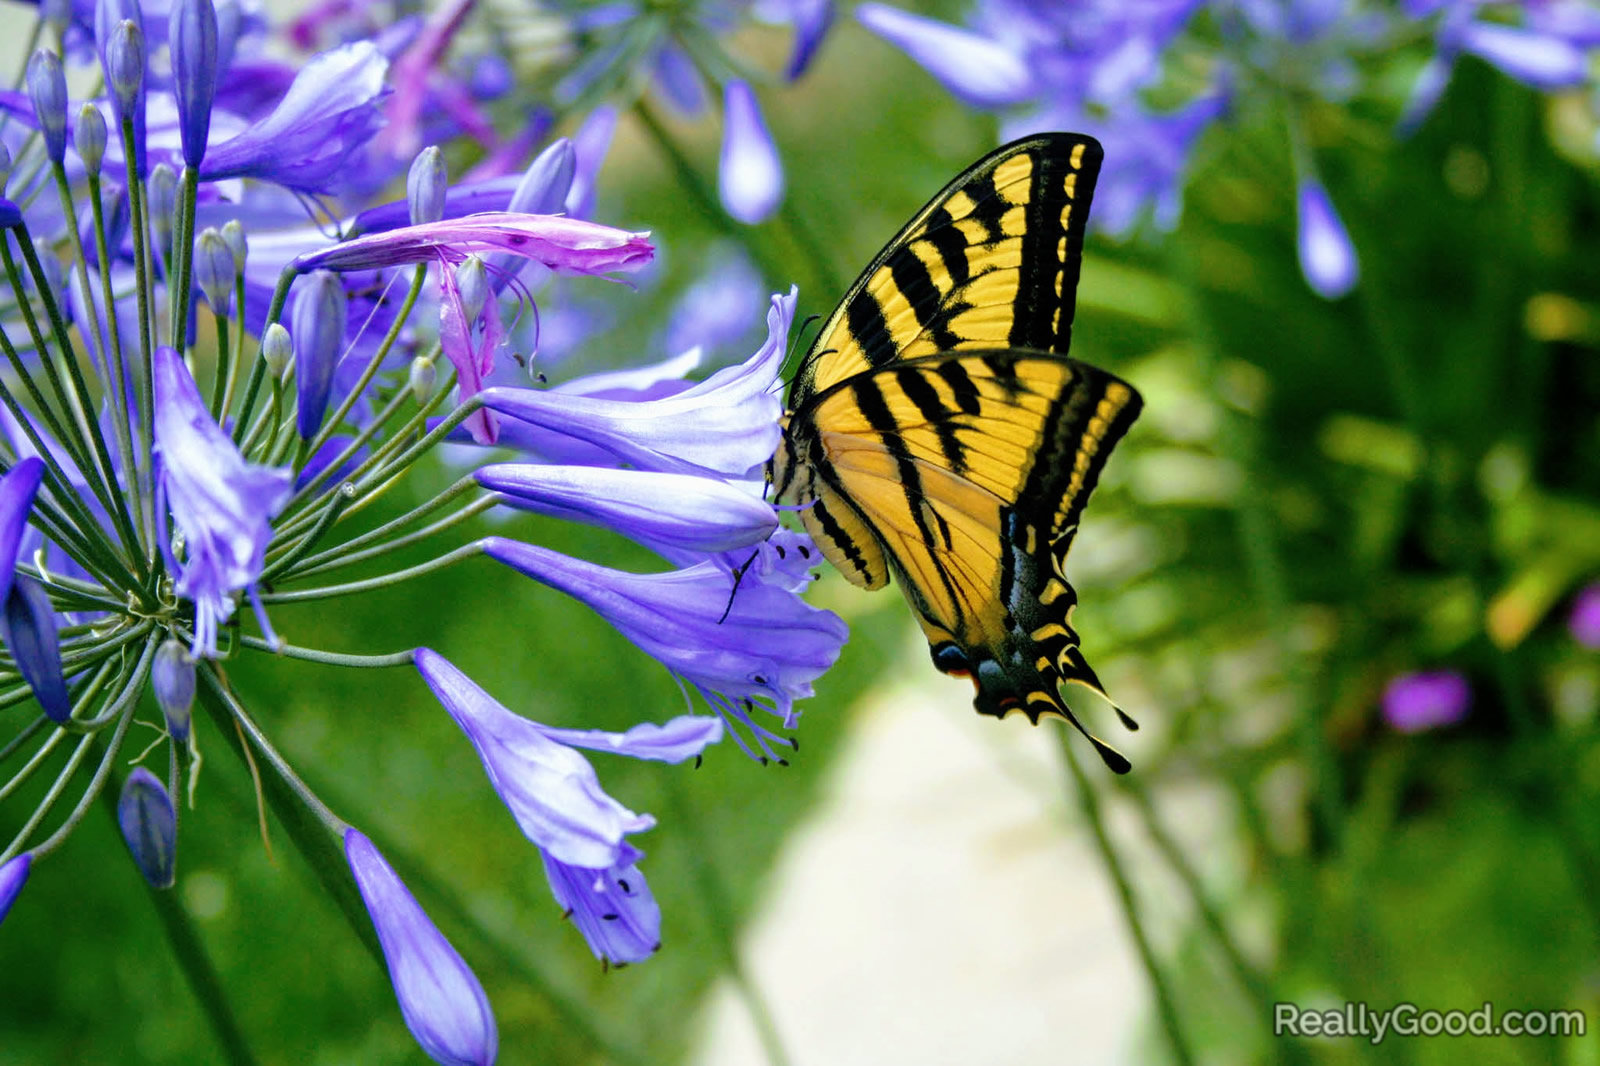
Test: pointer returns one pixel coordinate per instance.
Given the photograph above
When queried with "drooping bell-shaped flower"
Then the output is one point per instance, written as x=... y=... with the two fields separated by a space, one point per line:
x=1327 y=257
x=192 y=42
x=223 y=504
x=613 y=908
x=318 y=327
x=149 y=827
x=975 y=69
x=440 y=998
x=750 y=175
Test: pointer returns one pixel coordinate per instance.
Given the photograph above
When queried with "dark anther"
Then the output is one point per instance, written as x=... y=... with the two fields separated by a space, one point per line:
x=624 y=886
x=794 y=742
x=783 y=762
x=609 y=917
x=781 y=553
x=805 y=552
x=697 y=761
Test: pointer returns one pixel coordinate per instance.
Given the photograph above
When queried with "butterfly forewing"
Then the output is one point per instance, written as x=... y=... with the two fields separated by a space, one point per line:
x=990 y=262
x=940 y=432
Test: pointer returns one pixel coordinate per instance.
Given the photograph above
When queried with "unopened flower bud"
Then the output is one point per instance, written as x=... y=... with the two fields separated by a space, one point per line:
x=47 y=88
x=213 y=269
x=233 y=233
x=421 y=378
x=425 y=186
x=473 y=282
x=125 y=63
x=89 y=138
x=163 y=203
x=192 y=40
x=150 y=827
x=277 y=349
x=5 y=166
x=172 y=678
x=319 y=323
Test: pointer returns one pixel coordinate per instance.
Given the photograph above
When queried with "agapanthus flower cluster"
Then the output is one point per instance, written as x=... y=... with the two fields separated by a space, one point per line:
x=217 y=348
x=1148 y=77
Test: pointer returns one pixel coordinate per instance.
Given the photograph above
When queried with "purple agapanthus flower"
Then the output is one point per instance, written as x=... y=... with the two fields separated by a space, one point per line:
x=13 y=875
x=613 y=908
x=441 y=999
x=750 y=178
x=222 y=504
x=1416 y=702
x=1584 y=622
x=17 y=489
x=569 y=245
x=149 y=827
x=1327 y=256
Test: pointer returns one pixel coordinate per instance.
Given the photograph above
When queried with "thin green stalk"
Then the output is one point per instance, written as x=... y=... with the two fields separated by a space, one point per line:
x=117 y=370
x=383 y=581
x=339 y=499
x=183 y=258
x=27 y=732
x=337 y=558
x=142 y=281
x=219 y=380
x=198 y=970
x=280 y=296
x=69 y=441
x=720 y=917
x=329 y=658
x=1089 y=804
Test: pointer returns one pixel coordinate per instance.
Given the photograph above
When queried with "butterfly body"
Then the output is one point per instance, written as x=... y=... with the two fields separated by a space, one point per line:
x=939 y=431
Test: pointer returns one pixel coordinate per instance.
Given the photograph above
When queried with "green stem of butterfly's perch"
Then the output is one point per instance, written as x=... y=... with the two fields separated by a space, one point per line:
x=1089 y=804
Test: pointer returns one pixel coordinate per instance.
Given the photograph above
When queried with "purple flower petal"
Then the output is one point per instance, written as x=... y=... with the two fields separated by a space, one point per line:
x=13 y=875
x=725 y=425
x=28 y=626
x=1425 y=93
x=678 y=80
x=551 y=790
x=1535 y=59
x=318 y=320
x=192 y=39
x=613 y=908
x=567 y=245
x=470 y=337
x=1584 y=622
x=222 y=504
x=17 y=490
x=750 y=176
x=976 y=69
x=440 y=998
x=1327 y=258
x=1416 y=702
x=680 y=512
x=149 y=827
x=685 y=737
x=590 y=143
x=332 y=109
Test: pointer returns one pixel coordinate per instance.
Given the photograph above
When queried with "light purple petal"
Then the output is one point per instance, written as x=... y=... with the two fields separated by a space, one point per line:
x=1327 y=258
x=1416 y=702
x=149 y=827
x=976 y=69
x=685 y=737
x=750 y=176
x=1535 y=59
x=13 y=875
x=613 y=908
x=1430 y=85
x=678 y=80
x=28 y=626
x=440 y=998
x=725 y=425
x=591 y=143
x=551 y=790
x=567 y=245
x=17 y=490
x=1584 y=622
x=674 y=511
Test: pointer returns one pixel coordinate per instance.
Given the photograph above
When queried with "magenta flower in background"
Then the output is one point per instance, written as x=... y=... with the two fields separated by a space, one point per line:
x=1584 y=621
x=1417 y=702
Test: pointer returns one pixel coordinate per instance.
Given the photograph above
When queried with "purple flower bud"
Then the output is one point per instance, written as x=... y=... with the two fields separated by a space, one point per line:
x=192 y=38
x=1327 y=258
x=750 y=176
x=672 y=513
x=5 y=166
x=1537 y=59
x=613 y=908
x=10 y=215
x=440 y=998
x=163 y=202
x=1584 y=622
x=426 y=184
x=172 y=678
x=318 y=325
x=472 y=286
x=17 y=490
x=47 y=89
x=89 y=138
x=233 y=233
x=13 y=875
x=213 y=269
x=150 y=827
x=1416 y=702
x=125 y=64
x=28 y=625
x=277 y=349
x=109 y=16
x=421 y=378
x=544 y=185
x=976 y=69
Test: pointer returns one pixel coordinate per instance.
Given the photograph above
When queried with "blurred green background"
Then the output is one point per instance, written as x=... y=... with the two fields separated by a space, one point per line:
x=1319 y=497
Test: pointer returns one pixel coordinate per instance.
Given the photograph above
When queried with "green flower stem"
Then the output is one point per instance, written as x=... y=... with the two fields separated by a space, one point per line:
x=132 y=688
x=237 y=359
x=720 y=917
x=195 y=962
x=72 y=661
x=89 y=694
x=224 y=368
x=27 y=732
x=100 y=474
x=140 y=227
x=462 y=485
x=379 y=468
x=464 y=552
x=1089 y=804
x=38 y=758
x=329 y=658
x=69 y=441
x=337 y=558
x=280 y=296
x=111 y=353
x=179 y=281
x=96 y=783
x=315 y=830
x=339 y=499
x=373 y=365
x=70 y=210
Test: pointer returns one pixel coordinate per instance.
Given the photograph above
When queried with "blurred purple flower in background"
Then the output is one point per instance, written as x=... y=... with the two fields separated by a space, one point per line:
x=1417 y=702
x=1584 y=621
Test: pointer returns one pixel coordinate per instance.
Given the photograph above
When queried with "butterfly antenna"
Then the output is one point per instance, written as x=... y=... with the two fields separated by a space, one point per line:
x=738 y=576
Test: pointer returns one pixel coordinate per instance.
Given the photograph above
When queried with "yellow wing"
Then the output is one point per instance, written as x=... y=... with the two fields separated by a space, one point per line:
x=965 y=474
x=990 y=262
